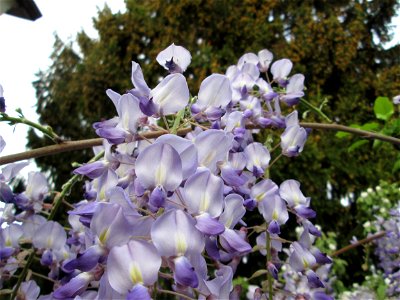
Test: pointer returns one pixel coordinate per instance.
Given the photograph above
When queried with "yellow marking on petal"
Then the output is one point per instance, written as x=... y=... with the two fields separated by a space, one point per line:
x=296 y=199
x=305 y=263
x=275 y=215
x=204 y=203
x=49 y=242
x=228 y=222
x=8 y=242
x=135 y=273
x=161 y=174
x=260 y=197
x=209 y=158
x=102 y=194
x=181 y=244
x=104 y=236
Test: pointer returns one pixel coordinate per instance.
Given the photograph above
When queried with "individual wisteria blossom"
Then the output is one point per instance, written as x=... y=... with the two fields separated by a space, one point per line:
x=291 y=193
x=36 y=191
x=50 y=235
x=214 y=95
x=294 y=136
x=175 y=58
x=265 y=58
x=2 y=100
x=28 y=290
x=280 y=70
x=209 y=156
x=9 y=240
x=175 y=236
x=294 y=90
x=132 y=267
x=159 y=169
x=170 y=95
x=258 y=158
x=203 y=197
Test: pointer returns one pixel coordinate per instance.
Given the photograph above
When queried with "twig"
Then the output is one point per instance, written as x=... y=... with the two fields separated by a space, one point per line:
x=22 y=275
x=175 y=294
x=359 y=243
x=22 y=120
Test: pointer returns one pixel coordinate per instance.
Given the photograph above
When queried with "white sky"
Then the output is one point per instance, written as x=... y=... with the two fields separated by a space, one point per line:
x=25 y=47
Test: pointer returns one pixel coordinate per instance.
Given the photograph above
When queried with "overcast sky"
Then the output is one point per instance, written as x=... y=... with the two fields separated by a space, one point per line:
x=25 y=48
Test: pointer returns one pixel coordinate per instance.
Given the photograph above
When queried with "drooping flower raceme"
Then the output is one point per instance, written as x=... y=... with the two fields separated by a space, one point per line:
x=173 y=208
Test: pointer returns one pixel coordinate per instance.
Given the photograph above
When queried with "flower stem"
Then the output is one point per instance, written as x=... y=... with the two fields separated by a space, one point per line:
x=269 y=258
x=46 y=130
x=175 y=294
x=315 y=109
x=22 y=275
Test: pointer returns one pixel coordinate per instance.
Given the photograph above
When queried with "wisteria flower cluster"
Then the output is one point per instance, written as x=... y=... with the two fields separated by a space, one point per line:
x=388 y=249
x=167 y=214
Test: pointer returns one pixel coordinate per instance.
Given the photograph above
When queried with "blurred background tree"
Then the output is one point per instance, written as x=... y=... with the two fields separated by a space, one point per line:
x=337 y=45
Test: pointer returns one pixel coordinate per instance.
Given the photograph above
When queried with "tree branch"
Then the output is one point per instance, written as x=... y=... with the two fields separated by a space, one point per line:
x=75 y=145
x=84 y=144
x=362 y=133
x=359 y=243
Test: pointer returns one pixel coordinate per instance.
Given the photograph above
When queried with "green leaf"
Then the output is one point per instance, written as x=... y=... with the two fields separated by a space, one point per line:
x=383 y=108
x=356 y=145
x=258 y=273
x=381 y=292
x=342 y=134
x=370 y=126
x=396 y=166
x=376 y=144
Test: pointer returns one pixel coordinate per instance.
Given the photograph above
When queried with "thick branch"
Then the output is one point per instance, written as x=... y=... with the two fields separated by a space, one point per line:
x=75 y=145
x=359 y=243
x=84 y=144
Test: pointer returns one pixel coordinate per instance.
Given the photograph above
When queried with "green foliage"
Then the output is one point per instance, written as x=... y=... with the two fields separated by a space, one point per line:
x=383 y=108
x=384 y=111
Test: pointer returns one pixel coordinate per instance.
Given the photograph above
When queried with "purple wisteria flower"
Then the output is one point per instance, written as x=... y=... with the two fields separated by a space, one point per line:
x=214 y=95
x=2 y=143
x=265 y=58
x=294 y=136
x=132 y=267
x=175 y=59
x=280 y=70
x=2 y=101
